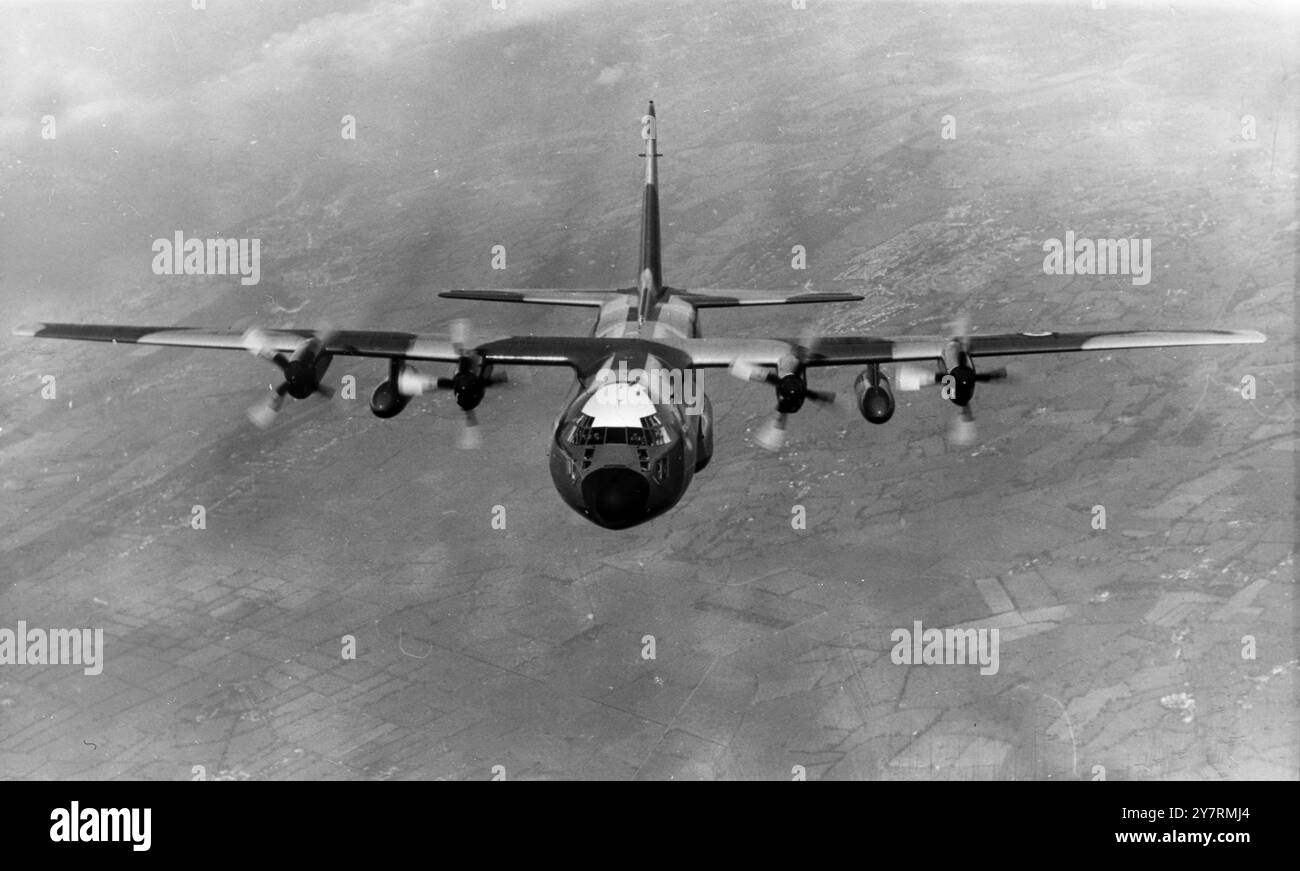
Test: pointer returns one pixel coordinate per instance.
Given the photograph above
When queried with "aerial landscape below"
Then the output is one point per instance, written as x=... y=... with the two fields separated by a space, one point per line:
x=336 y=594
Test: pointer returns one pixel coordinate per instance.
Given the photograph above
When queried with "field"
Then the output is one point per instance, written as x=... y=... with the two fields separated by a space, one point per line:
x=1123 y=651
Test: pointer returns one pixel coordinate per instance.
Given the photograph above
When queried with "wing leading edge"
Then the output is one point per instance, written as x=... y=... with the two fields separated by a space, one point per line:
x=586 y=354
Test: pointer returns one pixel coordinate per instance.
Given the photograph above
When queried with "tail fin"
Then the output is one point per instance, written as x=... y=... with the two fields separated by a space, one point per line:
x=650 y=280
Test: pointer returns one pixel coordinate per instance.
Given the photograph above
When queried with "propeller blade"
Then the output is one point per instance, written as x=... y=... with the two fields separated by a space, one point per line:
x=771 y=435
x=459 y=329
x=826 y=396
x=910 y=377
x=409 y=383
x=962 y=430
x=258 y=343
x=997 y=374
x=263 y=413
x=469 y=434
x=327 y=333
x=747 y=371
x=325 y=390
x=412 y=383
x=959 y=328
x=809 y=340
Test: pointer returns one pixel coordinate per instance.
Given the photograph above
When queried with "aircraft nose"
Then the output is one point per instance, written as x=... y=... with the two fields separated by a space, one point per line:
x=616 y=496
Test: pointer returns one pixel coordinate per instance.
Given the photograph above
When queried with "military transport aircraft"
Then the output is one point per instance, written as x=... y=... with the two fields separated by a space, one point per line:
x=638 y=428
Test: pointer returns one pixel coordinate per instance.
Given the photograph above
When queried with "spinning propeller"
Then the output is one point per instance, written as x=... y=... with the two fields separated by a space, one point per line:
x=303 y=370
x=473 y=377
x=957 y=377
x=791 y=390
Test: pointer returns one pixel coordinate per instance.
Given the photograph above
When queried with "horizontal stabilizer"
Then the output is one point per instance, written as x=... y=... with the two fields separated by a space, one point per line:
x=721 y=298
x=592 y=298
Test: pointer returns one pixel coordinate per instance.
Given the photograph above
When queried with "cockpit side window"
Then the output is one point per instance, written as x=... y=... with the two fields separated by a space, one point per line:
x=655 y=431
x=579 y=432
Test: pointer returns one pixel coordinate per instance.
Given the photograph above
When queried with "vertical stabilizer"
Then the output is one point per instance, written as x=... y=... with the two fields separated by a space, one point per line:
x=649 y=269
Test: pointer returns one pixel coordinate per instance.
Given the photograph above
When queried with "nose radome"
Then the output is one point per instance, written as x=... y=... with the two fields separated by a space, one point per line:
x=616 y=496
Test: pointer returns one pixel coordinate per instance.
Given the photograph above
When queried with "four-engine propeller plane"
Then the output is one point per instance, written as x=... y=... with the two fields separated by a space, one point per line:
x=629 y=441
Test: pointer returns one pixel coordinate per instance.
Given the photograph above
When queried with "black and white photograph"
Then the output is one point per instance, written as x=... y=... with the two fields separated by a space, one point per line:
x=603 y=390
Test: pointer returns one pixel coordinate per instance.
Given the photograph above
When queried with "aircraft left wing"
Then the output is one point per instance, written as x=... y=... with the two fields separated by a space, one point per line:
x=583 y=354
x=373 y=343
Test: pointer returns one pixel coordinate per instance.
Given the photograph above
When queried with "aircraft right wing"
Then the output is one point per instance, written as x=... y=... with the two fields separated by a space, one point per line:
x=1056 y=343
x=850 y=350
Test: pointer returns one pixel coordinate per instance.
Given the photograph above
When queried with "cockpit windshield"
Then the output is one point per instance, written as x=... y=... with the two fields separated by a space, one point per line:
x=650 y=432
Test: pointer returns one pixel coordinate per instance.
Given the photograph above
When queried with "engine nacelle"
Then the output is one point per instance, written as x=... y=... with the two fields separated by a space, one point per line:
x=791 y=391
x=875 y=399
x=387 y=401
x=468 y=388
x=305 y=369
x=959 y=385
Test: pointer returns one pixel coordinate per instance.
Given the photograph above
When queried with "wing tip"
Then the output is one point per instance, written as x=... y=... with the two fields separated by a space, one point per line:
x=28 y=330
x=479 y=295
x=830 y=296
x=1250 y=337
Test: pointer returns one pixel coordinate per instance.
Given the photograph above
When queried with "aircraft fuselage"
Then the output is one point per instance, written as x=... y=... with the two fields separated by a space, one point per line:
x=631 y=438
